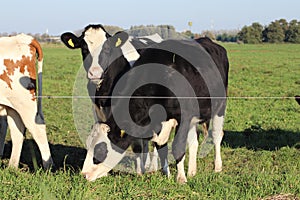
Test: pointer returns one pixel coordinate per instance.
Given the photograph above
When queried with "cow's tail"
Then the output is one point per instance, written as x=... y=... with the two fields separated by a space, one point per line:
x=39 y=116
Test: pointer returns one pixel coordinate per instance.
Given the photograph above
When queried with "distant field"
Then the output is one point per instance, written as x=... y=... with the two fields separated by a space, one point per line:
x=260 y=149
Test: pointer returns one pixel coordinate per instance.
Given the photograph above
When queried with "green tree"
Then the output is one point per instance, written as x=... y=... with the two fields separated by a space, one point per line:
x=188 y=34
x=274 y=33
x=112 y=29
x=209 y=34
x=293 y=32
x=251 y=34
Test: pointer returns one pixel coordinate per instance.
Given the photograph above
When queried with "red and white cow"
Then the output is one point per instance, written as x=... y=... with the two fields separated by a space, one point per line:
x=19 y=103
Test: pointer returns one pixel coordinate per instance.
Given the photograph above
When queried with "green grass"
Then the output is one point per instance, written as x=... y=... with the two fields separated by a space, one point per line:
x=260 y=149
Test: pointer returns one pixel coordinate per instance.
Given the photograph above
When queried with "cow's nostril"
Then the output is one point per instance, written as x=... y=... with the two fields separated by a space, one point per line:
x=96 y=161
x=85 y=175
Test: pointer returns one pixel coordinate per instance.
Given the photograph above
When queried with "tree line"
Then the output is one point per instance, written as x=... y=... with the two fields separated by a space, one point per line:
x=40 y=37
x=278 y=31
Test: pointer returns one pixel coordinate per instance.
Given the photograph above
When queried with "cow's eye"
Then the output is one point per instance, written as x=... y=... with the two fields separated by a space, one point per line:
x=106 y=50
x=100 y=153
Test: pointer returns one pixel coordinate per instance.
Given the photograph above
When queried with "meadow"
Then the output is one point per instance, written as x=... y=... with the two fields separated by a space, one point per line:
x=260 y=149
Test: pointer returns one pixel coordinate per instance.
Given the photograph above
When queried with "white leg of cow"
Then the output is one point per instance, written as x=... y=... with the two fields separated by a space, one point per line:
x=217 y=133
x=193 y=144
x=40 y=137
x=3 y=128
x=140 y=167
x=140 y=148
x=38 y=132
x=181 y=178
x=17 y=130
x=148 y=161
x=154 y=164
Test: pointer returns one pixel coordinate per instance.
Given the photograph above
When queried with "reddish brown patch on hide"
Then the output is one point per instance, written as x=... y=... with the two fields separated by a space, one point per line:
x=6 y=79
x=26 y=64
x=37 y=48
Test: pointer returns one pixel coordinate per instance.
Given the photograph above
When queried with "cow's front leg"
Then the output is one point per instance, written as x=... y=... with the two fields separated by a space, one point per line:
x=153 y=161
x=181 y=178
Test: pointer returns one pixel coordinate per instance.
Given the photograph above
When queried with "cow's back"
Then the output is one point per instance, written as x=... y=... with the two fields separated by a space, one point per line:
x=185 y=59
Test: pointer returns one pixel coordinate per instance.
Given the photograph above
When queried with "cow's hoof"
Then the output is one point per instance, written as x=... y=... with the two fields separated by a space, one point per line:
x=191 y=173
x=218 y=169
x=181 y=180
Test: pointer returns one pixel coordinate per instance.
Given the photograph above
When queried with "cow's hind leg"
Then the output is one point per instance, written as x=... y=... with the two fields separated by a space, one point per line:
x=38 y=132
x=153 y=161
x=217 y=134
x=40 y=137
x=193 y=144
x=3 y=128
x=17 y=130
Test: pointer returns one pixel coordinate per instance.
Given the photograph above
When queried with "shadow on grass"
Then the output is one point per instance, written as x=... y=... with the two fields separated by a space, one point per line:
x=64 y=157
x=259 y=139
x=71 y=157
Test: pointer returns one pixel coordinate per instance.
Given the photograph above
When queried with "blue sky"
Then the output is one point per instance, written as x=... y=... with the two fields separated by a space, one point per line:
x=57 y=16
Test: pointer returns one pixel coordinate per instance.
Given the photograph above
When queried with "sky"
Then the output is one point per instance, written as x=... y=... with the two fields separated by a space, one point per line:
x=58 y=16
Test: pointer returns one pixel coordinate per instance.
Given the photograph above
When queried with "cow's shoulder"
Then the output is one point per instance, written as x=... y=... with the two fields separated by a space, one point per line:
x=214 y=49
x=217 y=52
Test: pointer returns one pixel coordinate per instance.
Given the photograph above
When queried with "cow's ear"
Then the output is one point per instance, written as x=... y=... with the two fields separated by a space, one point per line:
x=70 y=40
x=119 y=39
x=122 y=133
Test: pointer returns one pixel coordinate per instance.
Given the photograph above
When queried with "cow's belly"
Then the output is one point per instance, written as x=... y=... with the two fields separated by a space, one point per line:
x=15 y=95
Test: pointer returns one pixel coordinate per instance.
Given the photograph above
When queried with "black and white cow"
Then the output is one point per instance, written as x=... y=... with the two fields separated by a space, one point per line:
x=102 y=80
x=19 y=104
x=179 y=76
x=297 y=98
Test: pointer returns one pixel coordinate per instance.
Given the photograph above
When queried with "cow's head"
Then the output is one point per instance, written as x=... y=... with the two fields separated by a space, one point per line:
x=102 y=155
x=103 y=59
x=91 y=42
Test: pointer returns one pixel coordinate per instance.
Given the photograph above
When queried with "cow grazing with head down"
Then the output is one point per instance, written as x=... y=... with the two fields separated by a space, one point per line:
x=179 y=76
x=19 y=103
x=102 y=79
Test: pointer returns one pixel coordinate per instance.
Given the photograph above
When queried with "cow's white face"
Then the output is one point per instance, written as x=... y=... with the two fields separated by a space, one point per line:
x=90 y=42
x=95 y=39
x=101 y=156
